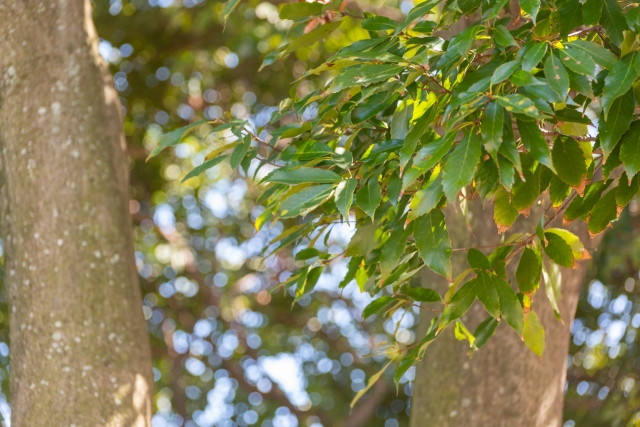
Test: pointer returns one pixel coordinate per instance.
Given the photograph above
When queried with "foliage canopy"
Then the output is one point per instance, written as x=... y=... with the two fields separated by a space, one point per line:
x=417 y=117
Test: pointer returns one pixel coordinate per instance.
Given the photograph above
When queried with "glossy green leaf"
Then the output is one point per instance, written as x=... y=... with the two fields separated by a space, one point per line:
x=612 y=126
x=369 y=197
x=604 y=211
x=492 y=124
x=504 y=213
x=344 y=196
x=300 y=202
x=533 y=334
x=528 y=272
x=510 y=307
x=304 y=175
x=558 y=250
x=618 y=81
x=568 y=160
x=591 y=12
x=503 y=37
x=578 y=61
x=458 y=171
x=377 y=23
x=556 y=75
x=599 y=54
x=477 y=259
x=393 y=249
x=377 y=306
x=203 y=167
x=459 y=304
x=571 y=16
x=613 y=21
x=300 y=10
x=534 y=142
x=422 y=294
x=531 y=7
x=504 y=71
x=486 y=293
x=630 y=150
x=519 y=104
x=533 y=56
x=427 y=198
x=311 y=37
x=433 y=242
x=416 y=13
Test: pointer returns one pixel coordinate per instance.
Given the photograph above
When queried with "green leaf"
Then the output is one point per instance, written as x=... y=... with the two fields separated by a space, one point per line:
x=569 y=161
x=558 y=250
x=484 y=331
x=301 y=10
x=365 y=74
x=400 y=120
x=504 y=213
x=510 y=307
x=344 y=196
x=377 y=305
x=553 y=282
x=504 y=71
x=618 y=81
x=616 y=123
x=533 y=56
x=556 y=75
x=578 y=61
x=458 y=171
x=459 y=304
x=172 y=138
x=363 y=241
x=422 y=294
x=427 y=198
x=478 y=260
x=229 y=7
x=570 y=16
x=377 y=23
x=468 y=6
x=626 y=190
x=416 y=13
x=531 y=7
x=503 y=37
x=630 y=150
x=605 y=211
x=528 y=272
x=582 y=206
x=613 y=21
x=311 y=37
x=393 y=249
x=302 y=201
x=533 y=334
x=306 y=254
x=372 y=106
x=433 y=243
x=486 y=293
x=369 y=197
x=238 y=153
x=519 y=104
x=599 y=54
x=558 y=191
x=203 y=167
x=534 y=142
x=411 y=140
x=591 y=12
x=304 y=175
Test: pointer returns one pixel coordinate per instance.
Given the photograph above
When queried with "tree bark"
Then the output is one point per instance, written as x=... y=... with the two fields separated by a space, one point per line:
x=504 y=384
x=79 y=349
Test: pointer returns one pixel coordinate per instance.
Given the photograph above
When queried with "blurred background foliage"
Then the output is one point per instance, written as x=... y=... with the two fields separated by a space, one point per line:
x=226 y=351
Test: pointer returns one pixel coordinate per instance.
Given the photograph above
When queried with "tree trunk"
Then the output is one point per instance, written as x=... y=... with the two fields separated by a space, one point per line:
x=504 y=384
x=79 y=349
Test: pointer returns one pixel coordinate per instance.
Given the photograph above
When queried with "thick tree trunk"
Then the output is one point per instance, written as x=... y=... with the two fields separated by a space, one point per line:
x=504 y=384
x=79 y=350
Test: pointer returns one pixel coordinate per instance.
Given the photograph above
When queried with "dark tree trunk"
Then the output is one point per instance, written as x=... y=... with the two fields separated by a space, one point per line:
x=79 y=349
x=505 y=383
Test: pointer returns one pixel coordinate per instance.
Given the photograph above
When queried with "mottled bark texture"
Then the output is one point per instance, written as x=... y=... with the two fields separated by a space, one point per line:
x=79 y=350
x=504 y=384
